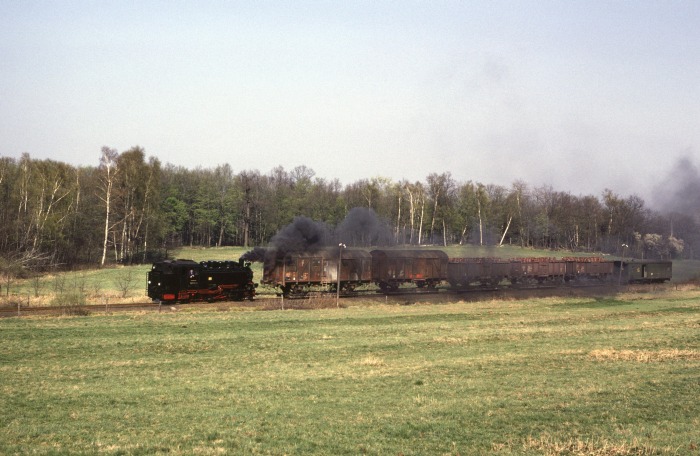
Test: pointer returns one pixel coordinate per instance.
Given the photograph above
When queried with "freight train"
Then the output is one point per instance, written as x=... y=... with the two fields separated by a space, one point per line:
x=297 y=274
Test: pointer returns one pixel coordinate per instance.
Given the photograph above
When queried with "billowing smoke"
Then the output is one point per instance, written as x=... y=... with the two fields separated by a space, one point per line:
x=302 y=235
x=257 y=254
x=680 y=190
x=361 y=227
x=677 y=197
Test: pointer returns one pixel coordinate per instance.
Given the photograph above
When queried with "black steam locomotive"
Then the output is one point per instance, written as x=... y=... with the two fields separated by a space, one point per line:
x=187 y=280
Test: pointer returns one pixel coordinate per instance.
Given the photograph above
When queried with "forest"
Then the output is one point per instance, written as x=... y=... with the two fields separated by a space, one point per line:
x=131 y=208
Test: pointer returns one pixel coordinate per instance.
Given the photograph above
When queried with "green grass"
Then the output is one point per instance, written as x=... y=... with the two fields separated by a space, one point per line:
x=550 y=376
x=213 y=253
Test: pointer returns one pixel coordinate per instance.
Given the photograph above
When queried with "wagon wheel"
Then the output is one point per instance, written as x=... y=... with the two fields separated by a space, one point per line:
x=388 y=287
x=286 y=289
x=298 y=291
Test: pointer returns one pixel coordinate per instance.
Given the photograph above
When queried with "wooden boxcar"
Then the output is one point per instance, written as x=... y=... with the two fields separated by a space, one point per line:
x=391 y=268
x=469 y=272
x=644 y=271
x=582 y=269
x=538 y=270
x=298 y=273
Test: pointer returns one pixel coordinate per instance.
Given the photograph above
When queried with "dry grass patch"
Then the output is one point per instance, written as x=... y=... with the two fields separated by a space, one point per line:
x=644 y=356
x=451 y=340
x=650 y=292
x=548 y=446
x=372 y=361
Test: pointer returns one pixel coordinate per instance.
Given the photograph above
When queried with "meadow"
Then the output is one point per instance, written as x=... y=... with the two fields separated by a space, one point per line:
x=554 y=376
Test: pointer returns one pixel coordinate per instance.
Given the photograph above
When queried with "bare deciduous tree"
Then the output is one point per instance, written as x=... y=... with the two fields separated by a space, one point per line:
x=124 y=280
x=108 y=167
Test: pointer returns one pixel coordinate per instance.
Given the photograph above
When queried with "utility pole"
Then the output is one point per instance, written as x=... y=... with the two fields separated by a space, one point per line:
x=622 y=262
x=341 y=246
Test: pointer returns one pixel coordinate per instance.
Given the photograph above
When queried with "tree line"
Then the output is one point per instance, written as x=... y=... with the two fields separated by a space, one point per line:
x=130 y=208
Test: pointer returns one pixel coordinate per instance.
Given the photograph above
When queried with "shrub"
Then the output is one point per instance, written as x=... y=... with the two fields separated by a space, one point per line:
x=73 y=303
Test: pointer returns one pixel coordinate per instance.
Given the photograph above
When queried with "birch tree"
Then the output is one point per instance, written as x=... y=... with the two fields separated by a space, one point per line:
x=108 y=168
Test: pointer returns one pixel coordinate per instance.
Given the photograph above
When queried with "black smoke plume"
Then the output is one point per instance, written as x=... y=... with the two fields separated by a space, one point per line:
x=257 y=254
x=360 y=228
x=677 y=198
x=680 y=190
x=302 y=235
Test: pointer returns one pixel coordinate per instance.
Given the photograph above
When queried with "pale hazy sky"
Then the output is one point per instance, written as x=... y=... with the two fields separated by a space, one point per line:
x=580 y=95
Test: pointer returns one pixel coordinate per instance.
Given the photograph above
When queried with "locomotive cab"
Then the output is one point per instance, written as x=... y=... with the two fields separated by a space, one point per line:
x=167 y=279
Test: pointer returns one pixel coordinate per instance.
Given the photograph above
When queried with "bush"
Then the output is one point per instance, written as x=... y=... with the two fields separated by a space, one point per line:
x=124 y=280
x=73 y=303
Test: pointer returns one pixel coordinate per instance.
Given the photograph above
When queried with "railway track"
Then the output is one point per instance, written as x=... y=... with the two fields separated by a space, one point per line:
x=316 y=300
x=264 y=303
x=19 y=310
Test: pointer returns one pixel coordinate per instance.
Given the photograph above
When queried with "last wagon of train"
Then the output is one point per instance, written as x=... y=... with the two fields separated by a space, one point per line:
x=644 y=271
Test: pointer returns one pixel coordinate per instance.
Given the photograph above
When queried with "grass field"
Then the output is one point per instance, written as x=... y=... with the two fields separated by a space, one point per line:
x=569 y=376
